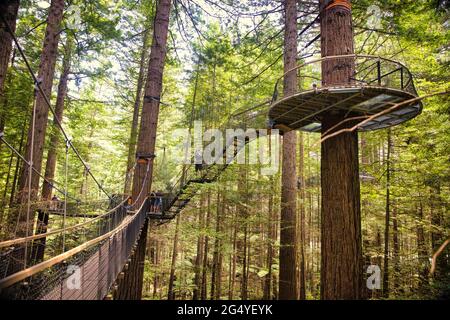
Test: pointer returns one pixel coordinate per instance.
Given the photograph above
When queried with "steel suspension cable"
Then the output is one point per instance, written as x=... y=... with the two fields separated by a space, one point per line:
x=30 y=176
x=66 y=167
x=8 y=243
x=21 y=157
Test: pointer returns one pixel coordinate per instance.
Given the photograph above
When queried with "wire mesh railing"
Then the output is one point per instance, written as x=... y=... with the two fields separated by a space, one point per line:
x=20 y=253
x=87 y=270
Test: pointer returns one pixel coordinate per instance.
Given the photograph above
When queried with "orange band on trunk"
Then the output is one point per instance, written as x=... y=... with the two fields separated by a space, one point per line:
x=341 y=3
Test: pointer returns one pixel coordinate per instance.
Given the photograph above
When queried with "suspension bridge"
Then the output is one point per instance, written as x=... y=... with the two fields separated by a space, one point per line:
x=91 y=251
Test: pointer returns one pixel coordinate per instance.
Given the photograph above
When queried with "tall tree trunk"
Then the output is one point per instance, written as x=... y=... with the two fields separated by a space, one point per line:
x=171 y=292
x=136 y=111
x=440 y=277
x=243 y=221
x=341 y=252
x=302 y=224
x=130 y=288
x=17 y=167
x=233 y=257
x=245 y=264
x=288 y=277
x=216 y=268
x=268 y=285
x=154 y=259
x=395 y=250
x=36 y=132
x=422 y=252
x=46 y=73
x=204 y=286
x=149 y=119
x=9 y=11
x=50 y=166
x=387 y=218
x=59 y=110
x=199 y=256
x=5 y=191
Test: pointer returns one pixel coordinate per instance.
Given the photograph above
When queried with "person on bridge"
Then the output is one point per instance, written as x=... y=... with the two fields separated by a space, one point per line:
x=152 y=201
x=198 y=161
x=54 y=203
x=158 y=202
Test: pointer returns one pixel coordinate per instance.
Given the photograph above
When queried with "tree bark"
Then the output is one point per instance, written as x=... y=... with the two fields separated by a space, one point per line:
x=59 y=110
x=243 y=221
x=422 y=252
x=441 y=280
x=50 y=166
x=217 y=257
x=203 y=294
x=268 y=284
x=301 y=224
x=171 y=292
x=387 y=217
x=136 y=112
x=341 y=252
x=130 y=288
x=150 y=111
x=395 y=250
x=233 y=257
x=288 y=277
x=17 y=167
x=9 y=10
x=46 y=72
x=199 y=256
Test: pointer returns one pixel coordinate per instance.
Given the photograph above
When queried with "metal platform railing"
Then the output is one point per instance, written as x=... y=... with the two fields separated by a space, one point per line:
x=369 y=71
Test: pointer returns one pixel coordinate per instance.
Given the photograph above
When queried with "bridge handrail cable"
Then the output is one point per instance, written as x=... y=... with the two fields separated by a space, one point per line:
x=21 y=275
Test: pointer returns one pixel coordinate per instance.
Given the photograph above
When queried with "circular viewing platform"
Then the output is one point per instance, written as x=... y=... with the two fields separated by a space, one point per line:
x=376 y=85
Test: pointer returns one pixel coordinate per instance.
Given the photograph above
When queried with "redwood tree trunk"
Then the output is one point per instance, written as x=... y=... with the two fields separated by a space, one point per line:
x=203 y=293
x=136 y=112
x=301 y=222
x=17 y=167
x=46 y=72
x=395 y=251
x=199 y=256
x=50 y=166
x=422 y=252
x=268 y=283
x=130 y=288
x=341 y=264
x=9 y=11
x=171 y=293
x=217 y=256
x=149 y=119
x=387 y=218
x=288 y=277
